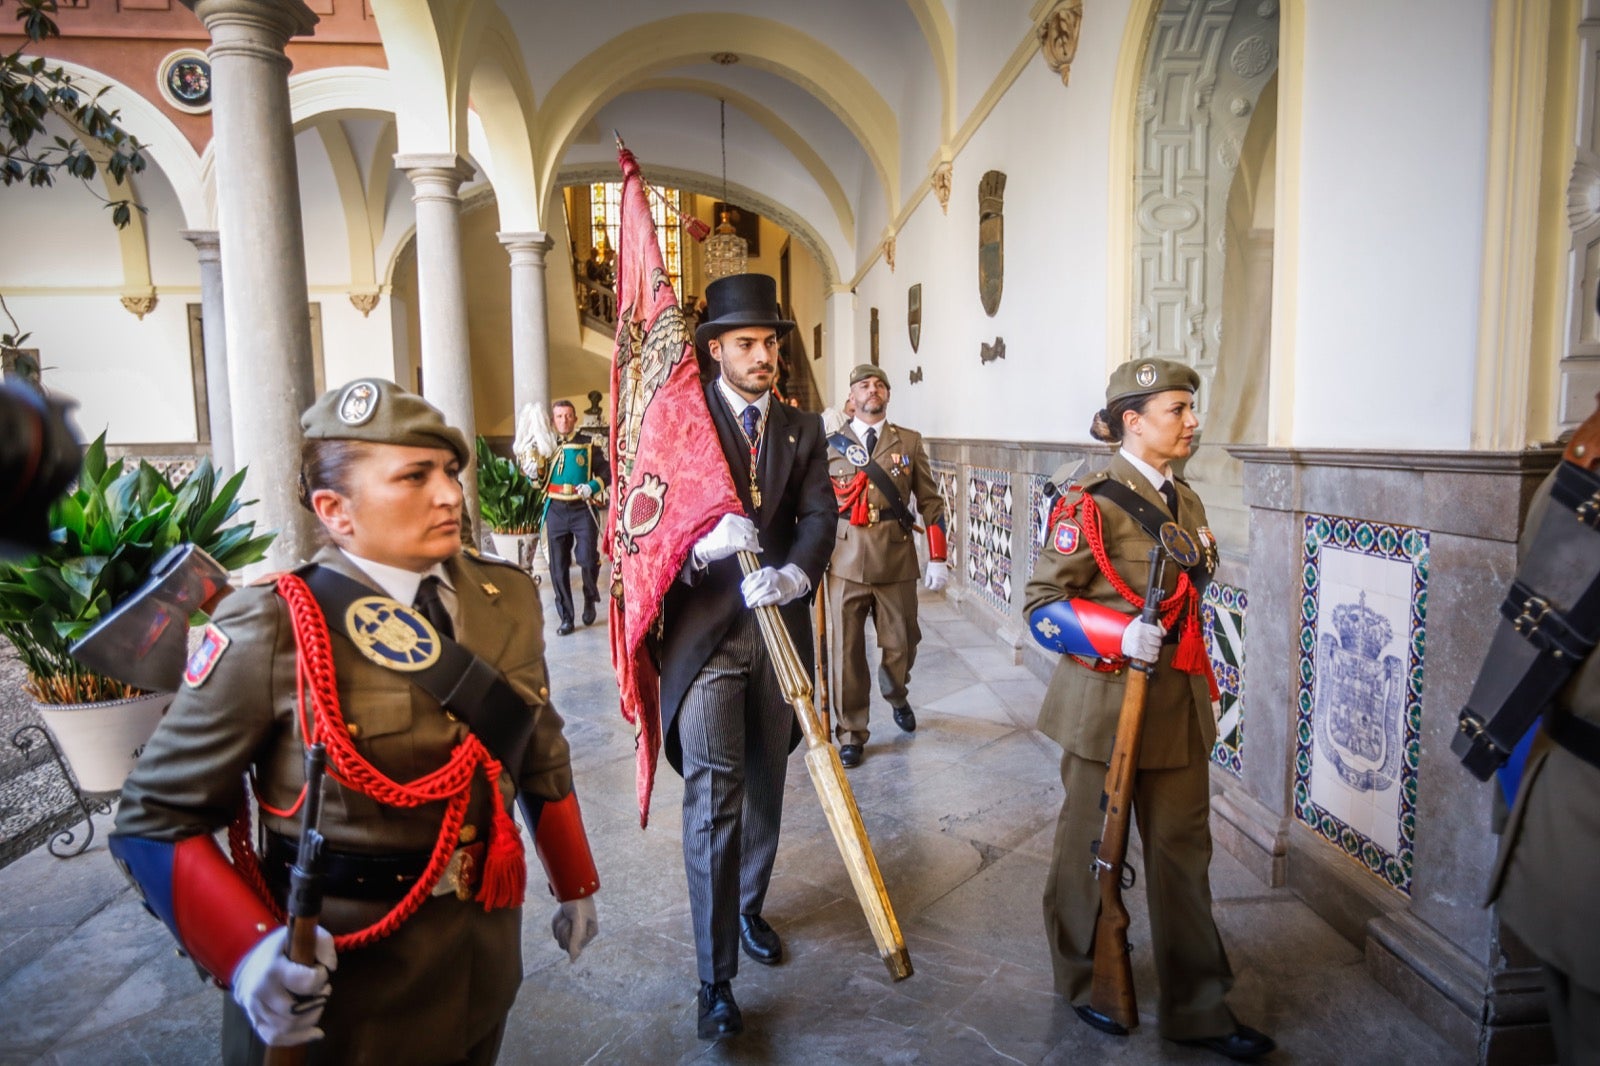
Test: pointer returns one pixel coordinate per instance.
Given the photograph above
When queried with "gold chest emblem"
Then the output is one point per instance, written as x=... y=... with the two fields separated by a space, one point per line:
x=389 y=633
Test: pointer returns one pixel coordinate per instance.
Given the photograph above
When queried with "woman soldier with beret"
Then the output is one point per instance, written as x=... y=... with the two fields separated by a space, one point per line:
x=367 y=650
x=1083 y=601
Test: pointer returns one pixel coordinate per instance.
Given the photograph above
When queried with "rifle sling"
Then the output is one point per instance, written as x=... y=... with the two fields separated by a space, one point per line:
x=460 y=681
x=881 y=481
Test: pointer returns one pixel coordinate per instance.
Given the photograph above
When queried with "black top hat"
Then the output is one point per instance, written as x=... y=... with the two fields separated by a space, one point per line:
x=740 y=300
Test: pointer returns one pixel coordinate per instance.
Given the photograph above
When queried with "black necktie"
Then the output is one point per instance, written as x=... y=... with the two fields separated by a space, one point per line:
x=870 y=439
x=751 y=417
x=1169 y=492
x=431 y=605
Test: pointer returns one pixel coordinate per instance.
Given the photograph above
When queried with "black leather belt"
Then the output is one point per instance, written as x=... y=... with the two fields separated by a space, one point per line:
x=1577 y=735
x=347 y=874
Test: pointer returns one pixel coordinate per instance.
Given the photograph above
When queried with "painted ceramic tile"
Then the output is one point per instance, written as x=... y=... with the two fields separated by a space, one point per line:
x=1038 y=517
x=989 y=503
x=1222 y=613
x=947 y=476
x=1363 y=610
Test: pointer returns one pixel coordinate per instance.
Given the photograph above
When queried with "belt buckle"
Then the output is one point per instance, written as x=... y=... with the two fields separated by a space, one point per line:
x=872 y=514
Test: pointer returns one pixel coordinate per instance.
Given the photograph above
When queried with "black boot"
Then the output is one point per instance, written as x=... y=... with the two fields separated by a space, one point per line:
x=719 y=1014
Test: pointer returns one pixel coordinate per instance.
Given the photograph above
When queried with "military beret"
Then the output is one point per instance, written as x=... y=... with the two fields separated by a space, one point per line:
x=1144 y=377
x=381 y=412
x=867 y=370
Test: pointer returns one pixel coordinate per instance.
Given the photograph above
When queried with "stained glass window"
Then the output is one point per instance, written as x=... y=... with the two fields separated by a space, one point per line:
x=605 y=207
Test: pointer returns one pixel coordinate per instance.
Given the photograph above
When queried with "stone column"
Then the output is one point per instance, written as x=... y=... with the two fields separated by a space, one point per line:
x=442 y=297
x=263 y=256
x=219 y=408
x=530 y=320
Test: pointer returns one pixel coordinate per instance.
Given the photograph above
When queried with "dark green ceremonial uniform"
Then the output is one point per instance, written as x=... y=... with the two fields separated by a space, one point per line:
x=570 y=523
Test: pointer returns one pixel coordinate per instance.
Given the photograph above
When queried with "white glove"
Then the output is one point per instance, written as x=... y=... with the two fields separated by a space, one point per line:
x=732 y=534
x=938 y=575
x=284 y=999
x=771 y=588
x=1142 y=641
x=585 y=491
x=575 y=923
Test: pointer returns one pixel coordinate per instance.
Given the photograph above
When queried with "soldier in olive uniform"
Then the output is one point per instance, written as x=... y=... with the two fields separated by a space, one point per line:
x=874 y=566
x=1077 y=608
x=1545 y=875
x=579 y=472
x=419 y=944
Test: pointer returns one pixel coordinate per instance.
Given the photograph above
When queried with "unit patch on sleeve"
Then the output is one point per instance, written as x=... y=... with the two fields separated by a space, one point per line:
x=1066 y=538
x=213 y=642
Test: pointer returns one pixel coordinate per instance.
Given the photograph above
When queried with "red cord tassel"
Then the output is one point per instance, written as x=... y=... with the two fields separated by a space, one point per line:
x=505 y=870
x=1191 y=655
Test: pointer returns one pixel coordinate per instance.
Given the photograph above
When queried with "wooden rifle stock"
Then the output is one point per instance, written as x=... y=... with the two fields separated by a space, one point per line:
x=304 y=903
x=1112 y=991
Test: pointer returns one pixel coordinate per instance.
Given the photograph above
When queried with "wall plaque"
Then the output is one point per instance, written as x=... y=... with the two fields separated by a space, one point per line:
x=991 y=240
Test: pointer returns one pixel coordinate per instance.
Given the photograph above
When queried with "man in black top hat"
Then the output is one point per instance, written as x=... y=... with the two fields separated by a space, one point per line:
x=726 y=726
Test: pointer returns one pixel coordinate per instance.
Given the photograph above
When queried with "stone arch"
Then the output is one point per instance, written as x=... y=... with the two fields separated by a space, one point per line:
x=502 y=98
x=941 y=36
x=639 y=54
x=429 y=106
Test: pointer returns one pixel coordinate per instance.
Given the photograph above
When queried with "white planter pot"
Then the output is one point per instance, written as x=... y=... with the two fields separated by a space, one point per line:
x=102 y=741
x=514 y=547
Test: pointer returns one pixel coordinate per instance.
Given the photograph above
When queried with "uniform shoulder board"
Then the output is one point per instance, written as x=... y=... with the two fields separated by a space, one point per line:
x=272 y=578
x=489 y=560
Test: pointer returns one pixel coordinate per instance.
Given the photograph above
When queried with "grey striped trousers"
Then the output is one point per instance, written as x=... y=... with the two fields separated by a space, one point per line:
x=734 y=729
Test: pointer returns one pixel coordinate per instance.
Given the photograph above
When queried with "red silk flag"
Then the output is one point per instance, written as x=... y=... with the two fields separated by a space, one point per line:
x=670 y=479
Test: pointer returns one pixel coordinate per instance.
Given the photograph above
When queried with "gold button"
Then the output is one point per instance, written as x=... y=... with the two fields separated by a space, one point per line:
x=353 y=729
x=469 y=833
x=452 y=716
x=544 y=691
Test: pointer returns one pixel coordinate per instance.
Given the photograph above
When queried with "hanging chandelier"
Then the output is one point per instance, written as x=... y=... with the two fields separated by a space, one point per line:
x=726 y=251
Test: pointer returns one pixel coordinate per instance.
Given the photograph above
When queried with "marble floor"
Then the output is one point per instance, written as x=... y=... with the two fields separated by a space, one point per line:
x=960 y=814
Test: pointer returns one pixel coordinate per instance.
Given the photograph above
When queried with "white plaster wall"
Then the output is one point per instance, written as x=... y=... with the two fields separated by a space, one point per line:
x=327 y=238
x=353 y=346
x=1052 y=143
x=1391 y=222
x=56 y=236
x=130 y=377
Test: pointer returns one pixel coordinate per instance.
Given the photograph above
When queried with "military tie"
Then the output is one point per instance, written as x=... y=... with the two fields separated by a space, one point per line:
x=870 y=440
x=751 y=417
x=431 y=605
x=1169 y=492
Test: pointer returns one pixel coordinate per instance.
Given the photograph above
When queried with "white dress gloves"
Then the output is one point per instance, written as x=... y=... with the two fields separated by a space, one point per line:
x=1142 y=641
x=938 y=575
x=732 y=534
x=284 y=999
x=768 y=587
x=585 y=490
x=575 y=923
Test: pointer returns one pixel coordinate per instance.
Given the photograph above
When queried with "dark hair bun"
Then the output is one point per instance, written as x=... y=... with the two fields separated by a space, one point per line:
x=1100 y=427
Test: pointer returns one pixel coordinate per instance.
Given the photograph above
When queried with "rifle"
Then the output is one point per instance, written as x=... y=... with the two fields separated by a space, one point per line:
x=304 y=903
x=1112 y=991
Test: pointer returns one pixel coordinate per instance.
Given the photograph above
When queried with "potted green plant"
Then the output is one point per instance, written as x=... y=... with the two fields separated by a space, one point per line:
x=511 y=503
x=106 y=535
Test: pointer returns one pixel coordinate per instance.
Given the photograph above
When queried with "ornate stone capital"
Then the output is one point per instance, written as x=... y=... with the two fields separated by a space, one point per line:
x=942 y=175
x=140 y=304
x=527 y=249
x=1058 y=36
x=434 y=175
x=259 y=28
x=888 y=251
x=364 y=302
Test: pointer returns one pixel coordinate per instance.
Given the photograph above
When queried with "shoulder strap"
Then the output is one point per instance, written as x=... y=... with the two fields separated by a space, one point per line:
x=1150 y=518
x=880 y=479
x=458 y=679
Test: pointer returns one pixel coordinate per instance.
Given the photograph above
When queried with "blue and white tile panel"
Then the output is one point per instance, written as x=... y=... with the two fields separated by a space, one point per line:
x=1222 y=611
x=1363 y=610
x=947 y=477
x=989 y=508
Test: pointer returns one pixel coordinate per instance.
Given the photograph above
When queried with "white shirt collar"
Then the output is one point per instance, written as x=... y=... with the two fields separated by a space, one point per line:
x=737 y=403
x=398 y=583
x=1151 y=474
x=859 y=428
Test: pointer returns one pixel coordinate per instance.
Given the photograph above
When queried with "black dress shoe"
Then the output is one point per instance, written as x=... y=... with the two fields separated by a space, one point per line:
x=588 y=614
x=1244 y=1044
x=850 y=754
x=1095 y=1020
x=905 y=718
x=760 y=940
x=563 y=629
x=719 y=1014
